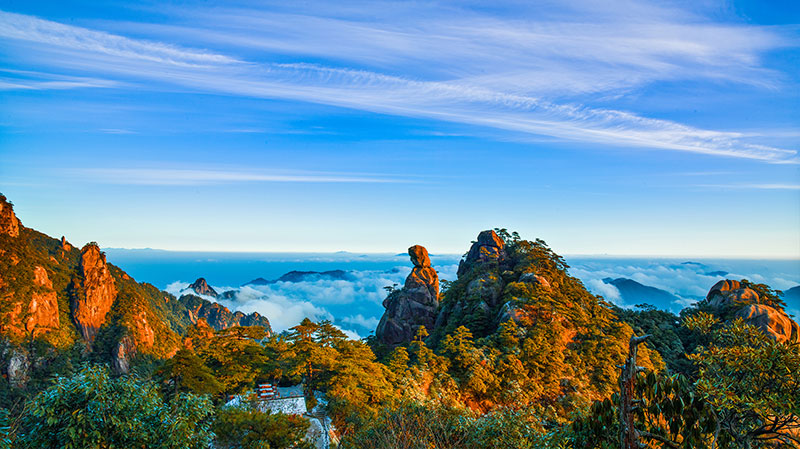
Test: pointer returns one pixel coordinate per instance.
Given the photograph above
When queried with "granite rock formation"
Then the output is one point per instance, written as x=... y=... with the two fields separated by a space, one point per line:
x=483 y=273
x=488 y=248
x=728 y=291
x=17 y=368
x=9 y=224
x=414 y=305
x=201 y=287
x=773 y=322
x=62 y=295
x=65 y=245
x=43 y=308
x=95 y=294
x=218 y=316
x=123 y=352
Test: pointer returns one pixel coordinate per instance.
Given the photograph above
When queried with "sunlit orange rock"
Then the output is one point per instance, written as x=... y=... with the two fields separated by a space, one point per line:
x=773 y=322
x=412 y=306
x=99 y=291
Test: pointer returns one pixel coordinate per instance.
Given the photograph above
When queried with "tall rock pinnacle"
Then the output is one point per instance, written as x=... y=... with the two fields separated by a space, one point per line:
x=98 y=289
x=412 y=306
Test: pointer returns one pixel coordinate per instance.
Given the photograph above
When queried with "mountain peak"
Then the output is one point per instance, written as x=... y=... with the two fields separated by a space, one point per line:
x=201 y=287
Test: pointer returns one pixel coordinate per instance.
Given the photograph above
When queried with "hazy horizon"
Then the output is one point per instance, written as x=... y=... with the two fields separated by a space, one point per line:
x=354 y=302
x=619 y=128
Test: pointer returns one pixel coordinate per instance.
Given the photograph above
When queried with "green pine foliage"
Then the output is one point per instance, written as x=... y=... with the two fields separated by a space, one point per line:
x=92 y=409
x=559 y=351
x=249 y=428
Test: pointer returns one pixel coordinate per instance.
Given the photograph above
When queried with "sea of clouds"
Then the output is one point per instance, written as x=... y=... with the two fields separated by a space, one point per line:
x=355 y=305
x=688 y=280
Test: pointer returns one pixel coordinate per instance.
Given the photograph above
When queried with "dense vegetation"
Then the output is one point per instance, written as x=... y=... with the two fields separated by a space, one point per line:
x=511 y=364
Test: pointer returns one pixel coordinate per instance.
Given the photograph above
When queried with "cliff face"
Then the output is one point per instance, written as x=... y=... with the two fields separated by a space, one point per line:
x=98 y=289
x=412 y=306
x=62 y=295
x=43 y=308
x=9 y=224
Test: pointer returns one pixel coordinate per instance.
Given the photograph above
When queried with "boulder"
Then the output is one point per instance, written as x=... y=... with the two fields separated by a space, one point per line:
x=728 y=292
x=773 y=322
x=99 y=292
x=412 y=306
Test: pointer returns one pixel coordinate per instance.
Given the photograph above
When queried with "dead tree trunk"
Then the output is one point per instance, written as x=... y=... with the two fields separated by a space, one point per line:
x=628 y=436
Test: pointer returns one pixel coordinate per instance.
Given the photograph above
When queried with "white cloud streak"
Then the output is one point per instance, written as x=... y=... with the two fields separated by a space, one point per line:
x=179 y=177
x=524 y=76
x=753 y=186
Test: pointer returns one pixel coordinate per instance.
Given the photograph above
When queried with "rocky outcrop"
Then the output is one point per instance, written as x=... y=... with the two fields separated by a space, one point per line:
x=124 y=351
x=535 y=279
x=17 y=368
x=9 y=224
x=253 y=319
x=43 y=308
x=773 y=322
x=201 y=287
x=744 y=302
x=97 y=291
x=728 y=292
x=218 y=316
x=488 y=248
x=65 y=245
x=412 y=306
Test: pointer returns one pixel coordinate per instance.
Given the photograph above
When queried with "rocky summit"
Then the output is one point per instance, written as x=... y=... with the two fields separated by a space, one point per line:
x=412 y=306
x=201 y=287
x=747 y=303
x=96 y=291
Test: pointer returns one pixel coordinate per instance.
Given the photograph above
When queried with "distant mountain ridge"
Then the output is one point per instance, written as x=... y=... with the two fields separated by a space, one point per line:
x=305 y=276
x=632 y=292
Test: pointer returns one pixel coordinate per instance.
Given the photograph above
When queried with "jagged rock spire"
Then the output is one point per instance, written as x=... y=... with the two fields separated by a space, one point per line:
x=414 y=305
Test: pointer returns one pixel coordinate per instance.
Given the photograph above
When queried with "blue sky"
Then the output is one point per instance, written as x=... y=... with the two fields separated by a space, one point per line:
x=626 y=128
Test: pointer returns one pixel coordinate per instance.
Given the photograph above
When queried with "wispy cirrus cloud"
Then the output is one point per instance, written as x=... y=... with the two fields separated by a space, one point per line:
x=753 y=186
x=31 y=80
x=31 y=29
x=178 y=177
x=536 y=76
